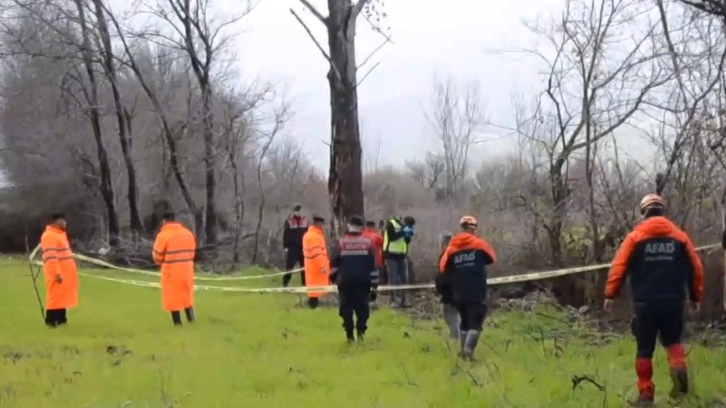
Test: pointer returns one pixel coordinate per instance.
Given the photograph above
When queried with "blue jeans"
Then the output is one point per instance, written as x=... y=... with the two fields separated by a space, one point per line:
x=398 y=275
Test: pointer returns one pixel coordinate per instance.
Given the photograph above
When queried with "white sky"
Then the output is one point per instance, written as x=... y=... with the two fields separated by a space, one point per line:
x=456 y=38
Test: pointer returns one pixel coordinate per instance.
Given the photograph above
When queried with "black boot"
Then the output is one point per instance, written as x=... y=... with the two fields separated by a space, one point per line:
x=361 y=334
x=190 y=314
x=350 y=338
x=313 y=303
x=176 y=318
x=63 y=317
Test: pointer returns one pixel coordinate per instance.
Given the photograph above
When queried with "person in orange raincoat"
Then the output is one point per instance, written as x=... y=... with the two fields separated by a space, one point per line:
x=174 y=249
x=464 y=261
x=371 y=233
x=60 y=272
x=662 y=265
x=316 y=262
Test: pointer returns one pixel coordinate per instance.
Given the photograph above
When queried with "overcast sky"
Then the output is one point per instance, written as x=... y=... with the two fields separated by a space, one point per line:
x=455 y=39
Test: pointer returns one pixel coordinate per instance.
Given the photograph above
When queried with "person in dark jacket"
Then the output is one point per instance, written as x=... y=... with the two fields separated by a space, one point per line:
x=464 y=261
x=661 y=263
x=353 y=270
x=443 y=289
x=292 y=240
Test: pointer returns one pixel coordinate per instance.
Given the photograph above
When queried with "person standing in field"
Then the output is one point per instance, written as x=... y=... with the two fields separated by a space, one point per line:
x=316 y=261
x=60 y=272
x=464 y=261
x=371 y=233
x=353 y=269
x=174 y=250
x=292 y=241
x=661 y=263
x=396 y=239
x=446 y=294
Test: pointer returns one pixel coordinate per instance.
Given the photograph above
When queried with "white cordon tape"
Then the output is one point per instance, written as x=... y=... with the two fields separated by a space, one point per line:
x=532 y=276
x=105 y=264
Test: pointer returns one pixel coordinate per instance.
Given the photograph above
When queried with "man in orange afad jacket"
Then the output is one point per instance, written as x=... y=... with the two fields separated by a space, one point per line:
x=371 y=233
x=316 y=262
x=660 y=261
x=60 y=272
x=464 y=263
x=174 y=249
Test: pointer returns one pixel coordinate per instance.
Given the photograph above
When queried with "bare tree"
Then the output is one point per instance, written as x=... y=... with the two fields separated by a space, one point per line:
x=345 y=179
x=195 y=32
x=590 y=92
x=456 y=116
x=281 y=116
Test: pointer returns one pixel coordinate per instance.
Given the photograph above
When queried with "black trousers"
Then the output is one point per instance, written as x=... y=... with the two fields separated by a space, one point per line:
x=176 y=316
x=657 y=318
x=353 y=301
x=55 y=317
x=293 y=257
x=472 y=315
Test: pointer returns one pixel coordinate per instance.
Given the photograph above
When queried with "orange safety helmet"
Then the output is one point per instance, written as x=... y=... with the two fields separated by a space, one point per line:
x=468 y=221
x=651 y=200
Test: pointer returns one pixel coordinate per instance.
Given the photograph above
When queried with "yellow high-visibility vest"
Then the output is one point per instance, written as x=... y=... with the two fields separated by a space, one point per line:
x=397 y=246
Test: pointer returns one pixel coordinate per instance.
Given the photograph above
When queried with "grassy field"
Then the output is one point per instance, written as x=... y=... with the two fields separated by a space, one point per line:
x=248 y=350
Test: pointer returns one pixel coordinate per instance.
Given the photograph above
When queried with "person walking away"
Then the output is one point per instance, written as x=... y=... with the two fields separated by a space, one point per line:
x=464 y=261
x=292 y=237
x=316 y=261
x=445 y=293
x=174 y=250
x=396 y=239
x=371 y=233
x=660 y=261
x=353 y=270
x=60 y=272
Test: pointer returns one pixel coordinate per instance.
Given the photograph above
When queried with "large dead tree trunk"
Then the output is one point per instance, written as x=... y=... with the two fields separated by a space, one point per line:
x=124 y=131
x=91 y=94
x=345 y=178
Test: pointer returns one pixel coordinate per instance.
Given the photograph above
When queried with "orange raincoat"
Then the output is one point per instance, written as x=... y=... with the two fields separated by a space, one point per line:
x=174 y=250
x=317 y=263
x=58 y=260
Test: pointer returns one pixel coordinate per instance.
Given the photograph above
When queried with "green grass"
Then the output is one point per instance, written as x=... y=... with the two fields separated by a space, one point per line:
x=249 y=350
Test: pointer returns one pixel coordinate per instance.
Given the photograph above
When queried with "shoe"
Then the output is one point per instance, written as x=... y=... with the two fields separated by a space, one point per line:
x=642 y=401
x=679 y=378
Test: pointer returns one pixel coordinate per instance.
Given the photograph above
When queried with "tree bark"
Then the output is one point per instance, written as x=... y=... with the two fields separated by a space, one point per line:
x=106 y=186
x=345 y=180
x=124 y=132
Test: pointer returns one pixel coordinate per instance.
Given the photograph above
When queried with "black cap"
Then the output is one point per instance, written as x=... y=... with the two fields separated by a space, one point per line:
x=168 y=216
x=297 y=207
x=356 y=221
x=317 y=218
x=57 y=216
x=409 y=220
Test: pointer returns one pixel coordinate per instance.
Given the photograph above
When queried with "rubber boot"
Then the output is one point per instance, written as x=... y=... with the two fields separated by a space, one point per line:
x=470 y=343
x=462 y=342
x=646 y=388
x=451 y=317
x=176 y=318
x=679 y=370
x=189 y=312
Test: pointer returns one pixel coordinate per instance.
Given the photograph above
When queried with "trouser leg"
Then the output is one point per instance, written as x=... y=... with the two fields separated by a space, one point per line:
x=189 y=312
x=176 y=318
x=451 y=317
x=362 y=311
x=52 y=317
x=313 y=302
x=291 y=258
x=301 y=262
x=476 y=313
x=463 y=326
x=345 y=311
x=670 y=325
x=646 y=335
x=403 y=279
x=392 y=277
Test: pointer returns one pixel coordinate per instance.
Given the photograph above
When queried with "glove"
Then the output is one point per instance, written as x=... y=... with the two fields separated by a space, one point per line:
x=374 y=296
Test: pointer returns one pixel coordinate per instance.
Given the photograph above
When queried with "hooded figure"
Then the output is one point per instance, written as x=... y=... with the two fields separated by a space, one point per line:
x=174 y=250
x=59 y=270
x=316 y=262
x=662 y=265
x=464 y=261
